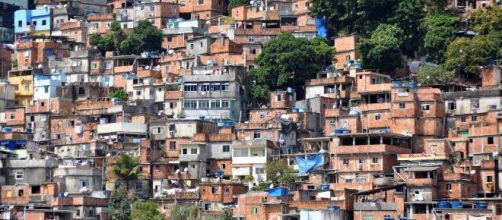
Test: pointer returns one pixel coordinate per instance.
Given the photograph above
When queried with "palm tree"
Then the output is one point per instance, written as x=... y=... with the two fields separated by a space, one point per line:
x=126 y=168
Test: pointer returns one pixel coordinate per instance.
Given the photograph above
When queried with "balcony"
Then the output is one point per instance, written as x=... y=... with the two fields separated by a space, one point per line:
x=375 y=88
x=375 y=106
x=123 y=69
x=374 y=206
x=122 y=127
x=173 y=95
x=377 y=148
x=422 y=182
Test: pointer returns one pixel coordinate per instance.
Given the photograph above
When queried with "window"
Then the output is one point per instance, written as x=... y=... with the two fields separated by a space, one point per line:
x=252 y=51
x=278 y=97
x=191 y=46
x=374 y=160
x=259 y=170
x=152 y=7
x=448 y=187
x=26 y=86
x=201 y=44
x=169 y=39
x=332 y=123
x=489 y=179
x=225 y=104
x=256 y=134
x=193 y=150
x=361 y=161
x=255 y=211
x=262 y=115
x=241 y=152
x=452 y=106
x=205 y=87
x=224 y=86
x=19 y=175
x=190 y=104
x=12 y=116
x=34 y=23
x=44 y=22
x=78 y=212
x=226 y=148
x=426 y=107
x=402 y=105
x=462 y=119
x=490 y=140
x=345 y=161
x=139 y=185
x=367 y=217
x=20 y=192
x=184 y=151
x=172 y=145
x=215 y=104
x=214 y=189
x=20 y=23
x=201 y=2
x=257 y=152
x=378 y=117
x=84 y=183
x=203 y=104
x=251 y=39
x=434 y=148
x=94 y=66
x=190 y=88
x=474 y=118
x=474 y=103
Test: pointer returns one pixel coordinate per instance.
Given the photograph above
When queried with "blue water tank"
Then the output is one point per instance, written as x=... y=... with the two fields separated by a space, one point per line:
x=7 y=129
x=388 y=218
x=413 y=85
x=333 y=207
x=443 y=205
x=202 y=117
x=481 y=205
x=397 y=83
x=457 y=205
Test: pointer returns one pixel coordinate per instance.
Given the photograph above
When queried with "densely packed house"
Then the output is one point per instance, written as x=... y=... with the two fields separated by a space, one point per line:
x=360 y=145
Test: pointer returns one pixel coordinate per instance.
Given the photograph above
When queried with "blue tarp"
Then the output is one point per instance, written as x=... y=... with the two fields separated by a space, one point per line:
x=278 y=191
x=309 y=164
x=322 y=28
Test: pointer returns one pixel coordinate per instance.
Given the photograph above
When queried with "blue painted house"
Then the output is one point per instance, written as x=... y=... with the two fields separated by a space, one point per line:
x=32 y=21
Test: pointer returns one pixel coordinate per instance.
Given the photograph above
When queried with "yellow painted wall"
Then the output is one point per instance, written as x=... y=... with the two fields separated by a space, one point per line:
x=24 y=96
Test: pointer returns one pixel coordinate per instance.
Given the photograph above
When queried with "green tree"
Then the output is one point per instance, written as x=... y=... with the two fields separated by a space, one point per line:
x=408 y=16
x=109 y=41
x=126 y=168
x=467 y=56
x=226 y=214
x=184 y=212
x=119 y=94
x=278 y=172
x=349 y=16
x=435 y=5
x=143 y=37
x=440 y=32
x=382 y=50
x=287 y=61
x=146 y=211
x=120 y=205
x=435 y=74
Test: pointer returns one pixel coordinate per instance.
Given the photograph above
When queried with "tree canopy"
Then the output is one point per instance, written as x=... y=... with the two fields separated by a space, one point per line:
x=120 y=205
x=465 y=55
x=440 y=32
x=126 y=168
x=119 y=94
x=434 y=74
x=143 y=37
x=382 y=50
x=278 y=172
x=288 y=61
x=146 y=211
